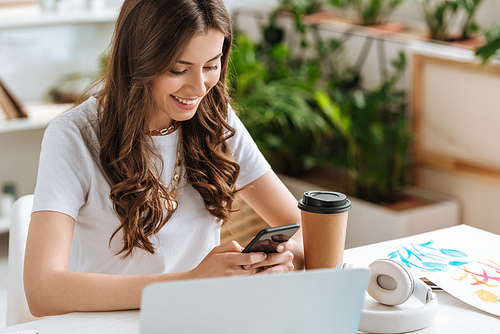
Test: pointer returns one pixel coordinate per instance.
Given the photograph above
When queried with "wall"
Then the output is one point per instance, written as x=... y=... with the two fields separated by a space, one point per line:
x=456 y=104
x=33 y=59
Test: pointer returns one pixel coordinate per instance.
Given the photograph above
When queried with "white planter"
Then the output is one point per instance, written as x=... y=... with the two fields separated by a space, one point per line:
x=369 y=222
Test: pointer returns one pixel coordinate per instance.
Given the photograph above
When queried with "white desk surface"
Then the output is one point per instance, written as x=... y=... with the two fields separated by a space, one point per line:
x=454 y=316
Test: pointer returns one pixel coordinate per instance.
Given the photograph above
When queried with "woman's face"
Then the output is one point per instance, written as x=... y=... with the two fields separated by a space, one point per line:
x=178 y=93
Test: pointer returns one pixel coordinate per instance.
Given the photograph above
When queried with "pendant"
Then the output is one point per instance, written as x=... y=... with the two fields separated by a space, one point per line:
x=170 y=204
x=174 y=194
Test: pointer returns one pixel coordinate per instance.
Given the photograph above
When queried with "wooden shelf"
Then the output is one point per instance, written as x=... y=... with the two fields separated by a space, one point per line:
x=38 y=117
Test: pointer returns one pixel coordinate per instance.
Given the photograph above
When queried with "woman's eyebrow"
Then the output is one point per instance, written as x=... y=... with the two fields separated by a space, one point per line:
x=189 y=63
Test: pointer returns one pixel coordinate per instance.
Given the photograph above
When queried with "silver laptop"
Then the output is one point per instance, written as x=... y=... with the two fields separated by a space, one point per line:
x=316 y=301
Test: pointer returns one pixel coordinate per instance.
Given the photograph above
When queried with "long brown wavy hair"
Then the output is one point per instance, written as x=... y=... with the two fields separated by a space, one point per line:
x=149 y=38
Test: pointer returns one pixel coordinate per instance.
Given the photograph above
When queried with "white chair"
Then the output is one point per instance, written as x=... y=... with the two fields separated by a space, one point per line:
x=17 y=306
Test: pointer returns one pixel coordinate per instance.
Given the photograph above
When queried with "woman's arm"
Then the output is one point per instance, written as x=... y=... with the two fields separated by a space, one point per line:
x=52 y=289
x=272 y=200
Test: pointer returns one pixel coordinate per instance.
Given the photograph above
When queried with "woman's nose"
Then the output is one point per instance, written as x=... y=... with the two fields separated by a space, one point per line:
x=198 y=84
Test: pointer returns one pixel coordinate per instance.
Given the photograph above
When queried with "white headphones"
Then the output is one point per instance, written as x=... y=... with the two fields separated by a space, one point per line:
x=391 y=283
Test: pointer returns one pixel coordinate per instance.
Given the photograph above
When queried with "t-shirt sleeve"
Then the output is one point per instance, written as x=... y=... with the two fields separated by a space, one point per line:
x=63 y=173
x=252 y=162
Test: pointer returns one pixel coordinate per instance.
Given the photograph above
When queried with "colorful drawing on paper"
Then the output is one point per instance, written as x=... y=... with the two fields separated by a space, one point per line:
x=477 y=283
x=474 y=281
x=428 y=257
x=484 y=275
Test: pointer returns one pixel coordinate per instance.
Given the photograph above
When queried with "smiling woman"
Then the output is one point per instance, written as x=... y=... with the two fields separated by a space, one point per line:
x=178 y=93
x=135 y=182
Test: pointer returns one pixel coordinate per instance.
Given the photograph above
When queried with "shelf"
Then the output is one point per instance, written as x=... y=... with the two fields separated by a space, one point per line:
x=32 y=17
x=38 y=117
x=4 y=224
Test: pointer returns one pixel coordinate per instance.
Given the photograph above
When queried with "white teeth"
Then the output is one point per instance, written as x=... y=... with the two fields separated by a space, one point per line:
x=188 y=102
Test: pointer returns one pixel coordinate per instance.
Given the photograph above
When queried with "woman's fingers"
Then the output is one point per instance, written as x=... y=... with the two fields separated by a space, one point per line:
x=286 y=246
x=232 y=246
x=282 y=268
x=277 y=263
x=283 y=260
x=227 y=260
x=252 y=259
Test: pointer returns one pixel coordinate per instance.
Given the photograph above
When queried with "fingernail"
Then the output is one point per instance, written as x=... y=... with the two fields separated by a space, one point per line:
x=281 y=248
x=247 y=266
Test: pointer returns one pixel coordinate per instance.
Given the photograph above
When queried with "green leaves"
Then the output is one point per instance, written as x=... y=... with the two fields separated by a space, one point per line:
x=274 y=90
x=439 y=13
x=369 y=12
x=492 y=44
x=304 y=108
x=374 y=127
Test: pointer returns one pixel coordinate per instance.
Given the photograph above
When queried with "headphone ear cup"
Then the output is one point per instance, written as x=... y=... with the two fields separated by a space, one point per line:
x=391 y=283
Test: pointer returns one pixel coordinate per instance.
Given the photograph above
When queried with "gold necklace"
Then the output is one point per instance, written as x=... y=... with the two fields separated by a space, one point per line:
x=171 y=196
x=164 y=131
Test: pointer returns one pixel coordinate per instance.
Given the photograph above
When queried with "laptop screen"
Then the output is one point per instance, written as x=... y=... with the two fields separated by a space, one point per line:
x=315 y=301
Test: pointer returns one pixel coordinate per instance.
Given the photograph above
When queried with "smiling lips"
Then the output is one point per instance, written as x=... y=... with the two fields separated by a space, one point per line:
x=186 y=104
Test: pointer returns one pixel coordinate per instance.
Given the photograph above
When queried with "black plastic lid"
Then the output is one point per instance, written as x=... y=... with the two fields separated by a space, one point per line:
x=318 y=201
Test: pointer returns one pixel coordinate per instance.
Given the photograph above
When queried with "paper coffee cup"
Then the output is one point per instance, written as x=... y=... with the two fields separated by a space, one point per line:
x=324 y=224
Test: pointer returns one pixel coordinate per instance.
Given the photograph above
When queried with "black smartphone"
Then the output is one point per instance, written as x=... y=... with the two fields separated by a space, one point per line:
x=269 y=238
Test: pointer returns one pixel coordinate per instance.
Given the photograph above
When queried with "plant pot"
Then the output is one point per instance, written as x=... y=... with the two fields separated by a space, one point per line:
x=369 y=223
x=388 y=27
x=326 y=17
x=473 y=43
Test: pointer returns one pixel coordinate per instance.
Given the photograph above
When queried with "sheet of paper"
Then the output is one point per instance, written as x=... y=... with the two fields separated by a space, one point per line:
x=476 y=283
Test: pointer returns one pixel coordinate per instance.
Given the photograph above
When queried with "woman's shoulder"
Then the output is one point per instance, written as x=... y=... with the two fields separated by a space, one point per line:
x=232 y=115
x=82 y=116
x=76 y=127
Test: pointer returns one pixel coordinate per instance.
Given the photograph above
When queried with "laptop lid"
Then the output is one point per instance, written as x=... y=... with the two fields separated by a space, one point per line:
x=315 y=301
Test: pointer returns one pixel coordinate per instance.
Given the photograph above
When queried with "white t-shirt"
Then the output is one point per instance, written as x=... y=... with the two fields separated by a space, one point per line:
x=71 y=181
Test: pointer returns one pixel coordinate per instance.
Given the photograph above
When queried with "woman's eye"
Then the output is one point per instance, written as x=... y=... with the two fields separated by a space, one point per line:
x=207 y=68
x=212 y=68
x=177 y=72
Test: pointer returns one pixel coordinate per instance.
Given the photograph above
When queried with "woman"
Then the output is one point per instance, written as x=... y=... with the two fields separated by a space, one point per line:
x=135 y=182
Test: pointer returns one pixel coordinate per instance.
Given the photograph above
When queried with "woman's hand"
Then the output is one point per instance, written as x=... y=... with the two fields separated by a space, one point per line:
x=227 y=260
x=279 y=262
x=272 y=201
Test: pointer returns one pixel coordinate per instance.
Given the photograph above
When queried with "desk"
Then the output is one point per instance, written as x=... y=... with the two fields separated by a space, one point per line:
x=123 y=322
x=454 y=316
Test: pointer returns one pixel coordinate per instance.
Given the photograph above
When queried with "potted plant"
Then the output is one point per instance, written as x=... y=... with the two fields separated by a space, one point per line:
x=272 y=80
x=368 y=12
x=289 y=139
x=469 y=25
x=439 y=14
x=362 y=132
x=69 y=88
x=374 y=126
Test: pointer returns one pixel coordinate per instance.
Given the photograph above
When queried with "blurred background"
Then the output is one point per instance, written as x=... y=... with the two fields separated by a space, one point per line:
x=394 y=102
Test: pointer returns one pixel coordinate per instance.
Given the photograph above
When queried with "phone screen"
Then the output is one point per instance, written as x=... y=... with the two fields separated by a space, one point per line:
x=268 y=239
